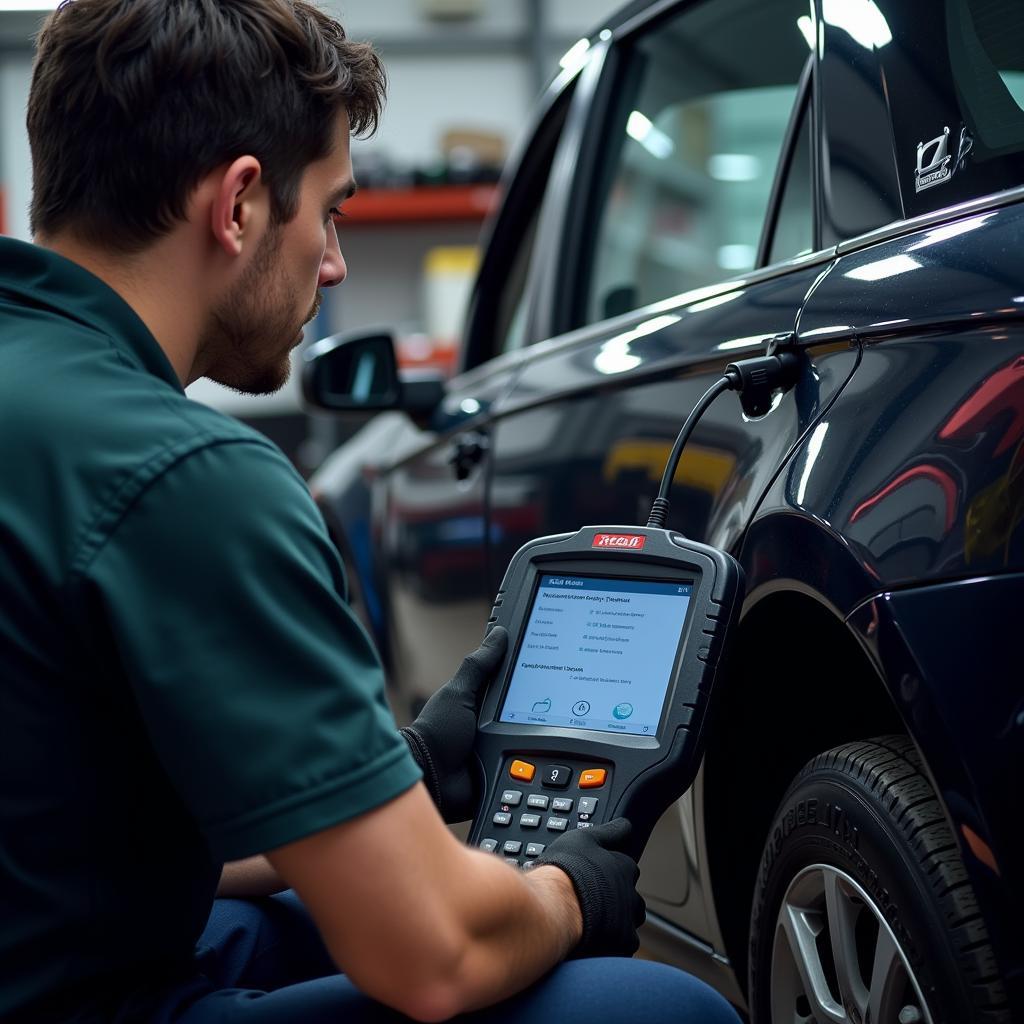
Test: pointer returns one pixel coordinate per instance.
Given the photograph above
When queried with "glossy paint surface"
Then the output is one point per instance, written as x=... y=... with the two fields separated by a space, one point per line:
x=919 y=467
x=584 y=434
x=951 y=653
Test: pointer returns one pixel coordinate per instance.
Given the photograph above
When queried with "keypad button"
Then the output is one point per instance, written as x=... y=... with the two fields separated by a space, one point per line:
x=534 y=849
x=488 y=845
x=555 y=776
x=529 y=820
x=512 y=797
x=562 y=804
x=593 y=778
x=538 y=801
x=557 y=824
x=584 y=824
x=529 y=865
x=502 y=818
x=512 y=861
x=588 y=804
x=511 y=846
x=522 y=770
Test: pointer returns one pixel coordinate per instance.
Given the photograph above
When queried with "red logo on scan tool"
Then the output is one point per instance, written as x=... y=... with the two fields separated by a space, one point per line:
x=620 y=541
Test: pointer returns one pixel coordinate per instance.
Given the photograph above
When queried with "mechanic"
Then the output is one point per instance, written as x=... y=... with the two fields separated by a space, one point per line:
x=183 y=684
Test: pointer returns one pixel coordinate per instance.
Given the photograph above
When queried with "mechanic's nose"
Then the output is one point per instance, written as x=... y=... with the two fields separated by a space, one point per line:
x=332 y=267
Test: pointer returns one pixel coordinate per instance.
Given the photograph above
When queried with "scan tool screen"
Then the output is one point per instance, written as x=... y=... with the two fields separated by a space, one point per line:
x=597 y=654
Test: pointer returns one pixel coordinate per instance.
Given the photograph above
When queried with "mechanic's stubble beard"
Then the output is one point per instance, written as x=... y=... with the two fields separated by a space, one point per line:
x=250 y=335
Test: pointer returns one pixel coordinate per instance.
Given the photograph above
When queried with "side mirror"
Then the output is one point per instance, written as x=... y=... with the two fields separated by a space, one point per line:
x=352 y=372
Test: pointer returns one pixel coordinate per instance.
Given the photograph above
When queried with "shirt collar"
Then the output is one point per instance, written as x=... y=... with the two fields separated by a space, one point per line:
x=70 y=291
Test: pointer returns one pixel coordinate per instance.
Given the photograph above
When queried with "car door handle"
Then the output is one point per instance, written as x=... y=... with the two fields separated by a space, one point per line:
x=467 y=452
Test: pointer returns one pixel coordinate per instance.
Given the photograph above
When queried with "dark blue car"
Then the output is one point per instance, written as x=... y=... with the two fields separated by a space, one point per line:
x=846 y=177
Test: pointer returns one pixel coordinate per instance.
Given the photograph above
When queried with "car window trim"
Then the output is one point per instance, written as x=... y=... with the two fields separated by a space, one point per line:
x=571 y=172
x=519 y=187
x=577 y=232
x=587 y=333
x=802 y=107
x=897 y=228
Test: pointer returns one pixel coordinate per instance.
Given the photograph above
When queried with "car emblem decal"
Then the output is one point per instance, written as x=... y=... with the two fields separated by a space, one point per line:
x=620 y=541
x=933 y=162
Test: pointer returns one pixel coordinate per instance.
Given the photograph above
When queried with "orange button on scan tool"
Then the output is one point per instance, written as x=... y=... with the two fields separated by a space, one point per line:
x=522 y=770
x=592 y=778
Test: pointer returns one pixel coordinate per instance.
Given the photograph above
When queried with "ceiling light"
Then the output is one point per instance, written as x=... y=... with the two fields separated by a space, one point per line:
x=737 y=256
x=882 y=269
x=861 y=19
x=734 y=167
x=806 y=27
x=576 y=56
x=654 y=140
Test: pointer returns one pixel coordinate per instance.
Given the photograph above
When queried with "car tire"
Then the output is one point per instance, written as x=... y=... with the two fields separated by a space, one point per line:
x=862 y=909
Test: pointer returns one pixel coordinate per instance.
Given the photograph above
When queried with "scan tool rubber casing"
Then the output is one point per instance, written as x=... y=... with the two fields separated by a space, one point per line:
x=645 y=773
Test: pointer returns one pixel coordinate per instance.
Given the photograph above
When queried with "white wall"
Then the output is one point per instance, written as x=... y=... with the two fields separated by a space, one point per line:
x=15 y=165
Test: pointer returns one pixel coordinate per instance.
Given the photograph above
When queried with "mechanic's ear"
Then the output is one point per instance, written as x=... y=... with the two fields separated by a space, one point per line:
x=240 y=207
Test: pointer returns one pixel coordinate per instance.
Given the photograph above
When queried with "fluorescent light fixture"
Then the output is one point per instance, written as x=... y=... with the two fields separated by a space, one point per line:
x=881 y=269
x=615 y=356
x=819 y=331
x=860 y=19
x=940 y=234
x=736 y=256
x=813 y=451
x=654 y=140
x=576 y=56
x=694 y=295
x=806 y=27
x=748 y=342
x=734 y=167
x=28 y=5
x=718 y=300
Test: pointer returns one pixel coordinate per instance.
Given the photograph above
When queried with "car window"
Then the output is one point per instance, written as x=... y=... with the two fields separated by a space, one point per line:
x=954 y=75
x=510 y=329
x=986 y=46
x=794 y=227
x=498 y=317
x=703 y=104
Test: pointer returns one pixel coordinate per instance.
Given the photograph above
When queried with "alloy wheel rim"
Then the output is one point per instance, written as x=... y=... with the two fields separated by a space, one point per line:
x=835 y=960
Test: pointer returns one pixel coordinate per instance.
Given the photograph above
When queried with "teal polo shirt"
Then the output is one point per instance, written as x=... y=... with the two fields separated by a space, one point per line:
x=181 y=680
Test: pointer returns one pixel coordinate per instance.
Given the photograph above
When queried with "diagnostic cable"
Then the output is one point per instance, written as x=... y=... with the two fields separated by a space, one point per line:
x=616 y=637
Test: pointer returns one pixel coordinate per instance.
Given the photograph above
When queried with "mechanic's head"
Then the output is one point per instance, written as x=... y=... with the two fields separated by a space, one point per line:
x=227 y=117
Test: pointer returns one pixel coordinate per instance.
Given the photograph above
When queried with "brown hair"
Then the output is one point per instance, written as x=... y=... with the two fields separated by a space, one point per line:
x=133 y=102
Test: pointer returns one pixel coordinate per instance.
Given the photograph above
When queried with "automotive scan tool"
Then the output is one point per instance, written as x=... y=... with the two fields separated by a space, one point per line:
x=616 y=637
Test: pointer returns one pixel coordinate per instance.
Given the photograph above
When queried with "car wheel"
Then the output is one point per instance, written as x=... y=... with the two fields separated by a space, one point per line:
x=862 y=910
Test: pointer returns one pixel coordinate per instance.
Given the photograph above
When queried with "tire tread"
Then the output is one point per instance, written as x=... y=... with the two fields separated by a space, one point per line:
x=890 y=769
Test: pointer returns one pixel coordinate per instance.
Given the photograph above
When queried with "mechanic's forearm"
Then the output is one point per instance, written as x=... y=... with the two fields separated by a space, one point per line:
x=241 y=879
x=532 y=923
x=421 y=922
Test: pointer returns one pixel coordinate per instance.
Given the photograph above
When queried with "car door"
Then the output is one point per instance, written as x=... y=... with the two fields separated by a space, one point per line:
x=688 y=239
x=429 y=516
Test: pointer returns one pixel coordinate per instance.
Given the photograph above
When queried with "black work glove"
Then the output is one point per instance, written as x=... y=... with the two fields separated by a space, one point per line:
x=441 y=738
x=605 y=882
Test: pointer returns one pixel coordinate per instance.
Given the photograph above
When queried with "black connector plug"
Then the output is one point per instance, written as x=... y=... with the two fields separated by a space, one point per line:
x=758 y=379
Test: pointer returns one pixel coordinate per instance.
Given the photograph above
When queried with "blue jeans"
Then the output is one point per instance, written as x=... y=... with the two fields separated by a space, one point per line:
x=262 y=962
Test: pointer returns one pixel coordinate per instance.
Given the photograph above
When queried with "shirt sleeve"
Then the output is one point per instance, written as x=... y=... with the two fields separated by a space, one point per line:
x=262 y=695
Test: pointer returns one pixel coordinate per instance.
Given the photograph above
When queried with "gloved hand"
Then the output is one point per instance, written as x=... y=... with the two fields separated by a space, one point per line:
x=605 y=882
x=441 y=738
